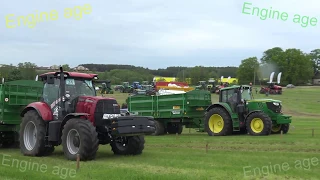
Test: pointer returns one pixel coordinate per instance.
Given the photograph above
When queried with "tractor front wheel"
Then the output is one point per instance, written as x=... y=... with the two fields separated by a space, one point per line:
x=79 y=136
x=218 y=122
x=128 y=145
x=32 y=135
x=277 y=128
x=258 y=124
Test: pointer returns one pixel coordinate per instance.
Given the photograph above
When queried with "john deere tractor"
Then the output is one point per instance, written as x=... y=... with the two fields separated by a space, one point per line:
x=202 y=85
x=237 y=111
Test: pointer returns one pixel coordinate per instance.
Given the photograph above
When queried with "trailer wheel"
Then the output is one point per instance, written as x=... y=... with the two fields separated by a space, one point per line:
x=32 y=135
x=258 y=123
x=218 y=122
x=128 y=145
x=159 y=129
x=79 y=136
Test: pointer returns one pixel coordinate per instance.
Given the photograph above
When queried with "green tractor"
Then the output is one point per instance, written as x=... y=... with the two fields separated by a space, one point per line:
x=202 y=85
x=211 y=86
x=237 y=111
x=126 y=88
x=105 y=87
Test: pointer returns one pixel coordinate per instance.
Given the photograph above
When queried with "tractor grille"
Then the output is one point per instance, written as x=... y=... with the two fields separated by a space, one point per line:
x=105 y=106
x=274 y=108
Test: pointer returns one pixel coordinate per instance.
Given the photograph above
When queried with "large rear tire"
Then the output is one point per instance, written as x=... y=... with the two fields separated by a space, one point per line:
x=32 y=135
x=79 y=136
x=218 y=122
x=258 y=124
x=128 y=145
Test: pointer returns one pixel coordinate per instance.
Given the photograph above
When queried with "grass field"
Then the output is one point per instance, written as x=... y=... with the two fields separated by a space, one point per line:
x=295 y=155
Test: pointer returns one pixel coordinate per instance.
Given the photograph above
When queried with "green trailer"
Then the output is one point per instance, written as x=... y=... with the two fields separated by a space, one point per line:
x=172 y=111
x=14 y=97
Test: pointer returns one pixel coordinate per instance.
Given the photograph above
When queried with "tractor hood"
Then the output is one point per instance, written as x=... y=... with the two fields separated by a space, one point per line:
x=264 y=100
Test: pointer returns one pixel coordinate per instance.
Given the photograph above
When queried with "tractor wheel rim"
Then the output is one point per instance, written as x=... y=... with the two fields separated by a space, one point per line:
x=216 y=123
x=73 y=141
x=257 y=125
x=30 y=136
x=276 y=128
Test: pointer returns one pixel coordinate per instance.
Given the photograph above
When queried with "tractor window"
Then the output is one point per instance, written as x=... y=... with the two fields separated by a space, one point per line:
x=246 y=94
x=51 y=92
x=79 y=87
x=224 y=96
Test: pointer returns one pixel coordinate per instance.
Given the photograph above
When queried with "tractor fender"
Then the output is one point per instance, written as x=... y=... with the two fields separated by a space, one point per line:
x=73 y=115
x=42 y=108
x=251 y=113
x=70 y=116
x=222 y=105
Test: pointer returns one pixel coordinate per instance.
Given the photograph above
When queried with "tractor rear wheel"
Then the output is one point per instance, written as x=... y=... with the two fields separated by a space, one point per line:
x=79 y=136
x=258 y=124
x=128 y=145
x=32 y=135
x=159 y=128
x=218 y=122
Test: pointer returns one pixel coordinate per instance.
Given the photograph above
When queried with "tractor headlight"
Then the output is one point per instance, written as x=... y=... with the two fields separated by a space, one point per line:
x=276 y=104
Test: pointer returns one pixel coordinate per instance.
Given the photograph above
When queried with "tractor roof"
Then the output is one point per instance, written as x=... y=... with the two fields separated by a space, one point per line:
x=74 y=74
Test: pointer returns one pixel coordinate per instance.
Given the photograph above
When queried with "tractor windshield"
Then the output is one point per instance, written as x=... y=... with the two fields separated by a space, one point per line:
x=246 y=94
x=79 y=87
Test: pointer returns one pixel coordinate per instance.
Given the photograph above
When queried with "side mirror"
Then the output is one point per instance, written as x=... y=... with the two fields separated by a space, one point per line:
x=50 y=79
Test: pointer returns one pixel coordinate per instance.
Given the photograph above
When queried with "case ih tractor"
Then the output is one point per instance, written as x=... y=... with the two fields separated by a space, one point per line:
x=71 y=114
x=272 y=88
x=237 y=111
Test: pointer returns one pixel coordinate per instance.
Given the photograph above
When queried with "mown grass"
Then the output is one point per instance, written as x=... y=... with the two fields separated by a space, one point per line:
x=186 y=156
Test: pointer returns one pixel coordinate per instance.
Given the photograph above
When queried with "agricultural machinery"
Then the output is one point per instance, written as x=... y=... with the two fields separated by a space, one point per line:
x=211 y=86
x=145 y=90
x=272 y=88
x=237 y=111
x=172 y=111
x=136 y=85
x=202 y=85
x=125 y=88
x=222 y=85
x=70 y=114
x=105 y=87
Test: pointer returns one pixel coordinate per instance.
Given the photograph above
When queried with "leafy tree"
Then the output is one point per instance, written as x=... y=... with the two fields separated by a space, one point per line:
x=27 y=70
x=15 y=74
x=247 y=70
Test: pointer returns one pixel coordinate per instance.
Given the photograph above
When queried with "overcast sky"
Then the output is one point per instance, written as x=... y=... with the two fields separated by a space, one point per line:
x=153 y=33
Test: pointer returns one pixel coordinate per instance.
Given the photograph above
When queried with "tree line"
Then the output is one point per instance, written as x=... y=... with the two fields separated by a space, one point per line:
x=296 y=66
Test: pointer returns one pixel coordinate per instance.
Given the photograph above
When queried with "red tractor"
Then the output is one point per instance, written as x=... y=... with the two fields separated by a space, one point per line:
x=71 y=114
x=272 y=88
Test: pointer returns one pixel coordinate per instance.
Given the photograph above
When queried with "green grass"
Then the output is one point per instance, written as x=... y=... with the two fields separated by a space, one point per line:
x=186 y=157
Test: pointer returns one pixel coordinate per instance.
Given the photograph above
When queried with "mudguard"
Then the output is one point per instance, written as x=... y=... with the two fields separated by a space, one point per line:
x=42 y=108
